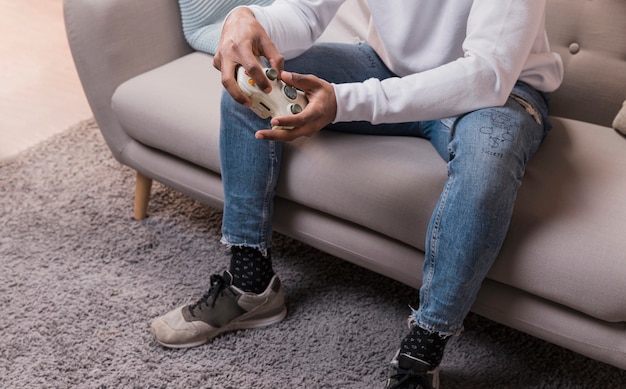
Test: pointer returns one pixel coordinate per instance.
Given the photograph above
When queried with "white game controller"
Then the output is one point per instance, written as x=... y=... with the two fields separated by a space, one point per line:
x=283 y=100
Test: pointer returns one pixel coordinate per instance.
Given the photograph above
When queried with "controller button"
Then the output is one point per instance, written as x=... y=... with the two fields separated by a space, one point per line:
x=272 y=74
x=251 y=82
x=295 y=108
x=290 y=92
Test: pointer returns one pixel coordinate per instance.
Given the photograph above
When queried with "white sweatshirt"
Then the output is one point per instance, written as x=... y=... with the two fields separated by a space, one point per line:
x=451 y=56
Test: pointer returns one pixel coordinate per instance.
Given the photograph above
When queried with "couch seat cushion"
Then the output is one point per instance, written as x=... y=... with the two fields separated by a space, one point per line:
x=388 y=184
x=175 y=108
x=564 y=243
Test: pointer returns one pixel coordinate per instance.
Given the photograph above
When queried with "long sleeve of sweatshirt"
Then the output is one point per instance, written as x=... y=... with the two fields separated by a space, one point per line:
x=450 y=56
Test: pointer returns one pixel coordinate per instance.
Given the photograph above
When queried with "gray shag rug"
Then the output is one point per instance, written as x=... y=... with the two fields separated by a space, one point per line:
x=81 y=281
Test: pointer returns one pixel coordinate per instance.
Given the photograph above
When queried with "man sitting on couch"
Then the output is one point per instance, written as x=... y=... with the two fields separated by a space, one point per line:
x=472 y=77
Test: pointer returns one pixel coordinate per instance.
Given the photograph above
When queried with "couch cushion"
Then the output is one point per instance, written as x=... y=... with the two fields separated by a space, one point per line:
x=589 y=36
x=388 y=184
x=175 y=108
x=564 y=242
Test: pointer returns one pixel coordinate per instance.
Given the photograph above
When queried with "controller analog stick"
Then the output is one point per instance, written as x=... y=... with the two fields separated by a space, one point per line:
x=272 y=74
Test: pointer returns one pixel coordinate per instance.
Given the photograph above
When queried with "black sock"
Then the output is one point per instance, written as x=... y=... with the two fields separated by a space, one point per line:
x=424 y=345
x=251 y=270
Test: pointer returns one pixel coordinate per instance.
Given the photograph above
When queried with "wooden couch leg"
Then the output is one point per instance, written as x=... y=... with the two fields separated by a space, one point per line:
x=142 y=196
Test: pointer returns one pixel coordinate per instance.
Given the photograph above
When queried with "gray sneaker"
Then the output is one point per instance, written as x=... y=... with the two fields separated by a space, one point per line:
x=223 y=308
x=411 y=373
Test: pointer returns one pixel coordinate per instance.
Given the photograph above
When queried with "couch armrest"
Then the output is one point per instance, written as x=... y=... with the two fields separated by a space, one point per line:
x=114 y=40
x=619 y=123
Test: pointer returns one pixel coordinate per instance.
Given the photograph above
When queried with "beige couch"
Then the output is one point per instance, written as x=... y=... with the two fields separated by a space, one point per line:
x=561 y=275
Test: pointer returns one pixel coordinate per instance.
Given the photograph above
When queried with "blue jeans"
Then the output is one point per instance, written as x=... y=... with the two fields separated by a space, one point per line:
x=486 y=153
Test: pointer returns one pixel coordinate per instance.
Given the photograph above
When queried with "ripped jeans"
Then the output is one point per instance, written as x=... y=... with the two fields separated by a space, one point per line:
x=486 y=153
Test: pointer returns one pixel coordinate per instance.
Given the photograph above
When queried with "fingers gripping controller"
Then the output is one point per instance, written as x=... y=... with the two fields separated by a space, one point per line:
x=283 y=100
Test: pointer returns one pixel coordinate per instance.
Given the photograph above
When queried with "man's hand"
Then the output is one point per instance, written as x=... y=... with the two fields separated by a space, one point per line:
x=243 y=40
x=319 y=112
